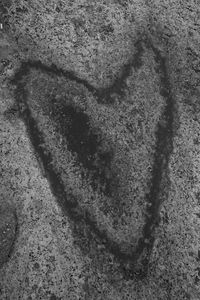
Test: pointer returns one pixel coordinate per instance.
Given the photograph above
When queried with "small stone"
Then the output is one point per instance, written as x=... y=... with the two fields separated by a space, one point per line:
x=8 y=224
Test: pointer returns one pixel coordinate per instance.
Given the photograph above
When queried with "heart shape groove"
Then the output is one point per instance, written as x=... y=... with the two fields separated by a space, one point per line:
x=106 y=151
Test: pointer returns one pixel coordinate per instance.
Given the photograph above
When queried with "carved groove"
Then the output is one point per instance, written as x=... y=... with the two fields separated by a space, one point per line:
x=164 y=147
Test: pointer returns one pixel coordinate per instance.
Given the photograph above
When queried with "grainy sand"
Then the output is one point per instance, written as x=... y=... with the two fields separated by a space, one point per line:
x=100 y=149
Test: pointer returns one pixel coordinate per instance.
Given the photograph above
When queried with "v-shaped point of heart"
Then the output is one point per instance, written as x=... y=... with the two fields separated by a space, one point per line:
x=88 y=152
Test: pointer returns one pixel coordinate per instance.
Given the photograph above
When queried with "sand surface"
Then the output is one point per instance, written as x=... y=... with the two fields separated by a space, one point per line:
x=100 y=150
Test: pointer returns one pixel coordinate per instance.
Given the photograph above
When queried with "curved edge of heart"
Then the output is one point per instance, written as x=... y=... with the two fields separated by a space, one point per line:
x=136 y=263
